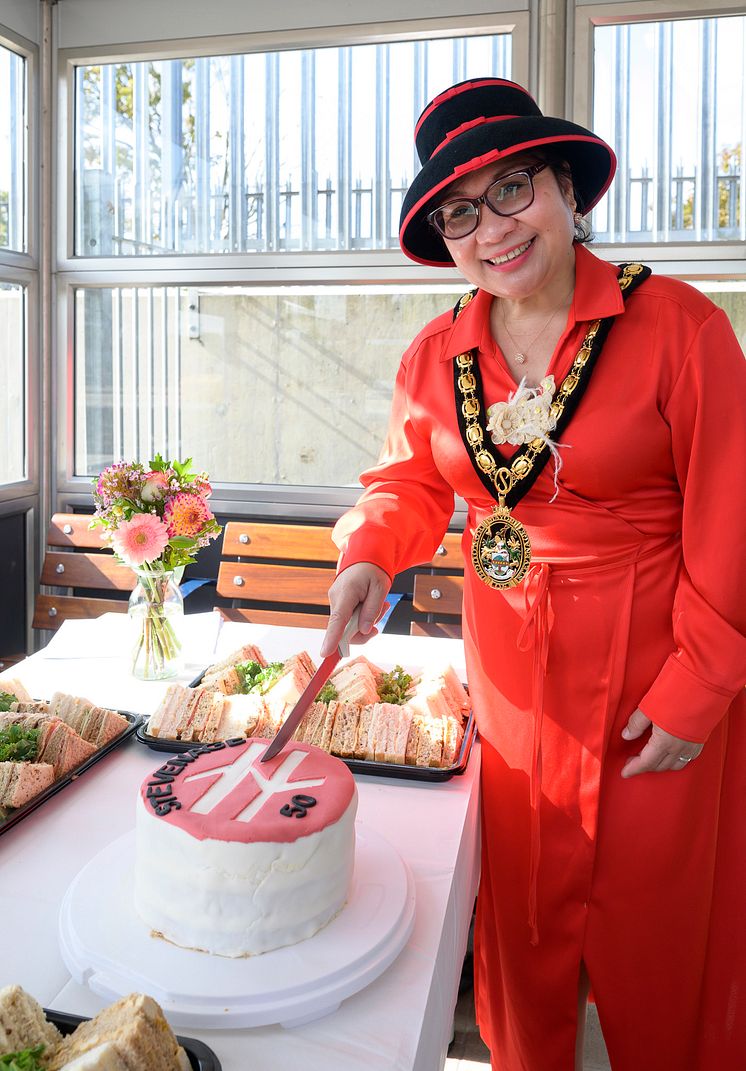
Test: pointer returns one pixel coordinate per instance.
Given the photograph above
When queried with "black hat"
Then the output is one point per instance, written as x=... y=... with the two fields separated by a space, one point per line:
x=478 y=122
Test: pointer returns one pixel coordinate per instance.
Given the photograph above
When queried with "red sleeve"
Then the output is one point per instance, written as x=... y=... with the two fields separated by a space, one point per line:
x=406 y=506
x=707 y=415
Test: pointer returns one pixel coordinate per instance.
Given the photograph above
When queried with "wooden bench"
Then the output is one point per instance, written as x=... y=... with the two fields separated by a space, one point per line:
x=76 y=561
x=438 y=593
x=281 y=574
x=277 y=573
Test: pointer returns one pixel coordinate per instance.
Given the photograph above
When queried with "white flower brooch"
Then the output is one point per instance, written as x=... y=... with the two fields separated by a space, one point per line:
x=525 y=416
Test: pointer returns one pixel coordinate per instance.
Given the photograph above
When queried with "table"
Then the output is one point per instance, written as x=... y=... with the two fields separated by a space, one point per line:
x=402 y=1020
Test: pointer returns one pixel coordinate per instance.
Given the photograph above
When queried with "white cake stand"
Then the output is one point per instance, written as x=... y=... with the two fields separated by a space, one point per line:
x=106 y=946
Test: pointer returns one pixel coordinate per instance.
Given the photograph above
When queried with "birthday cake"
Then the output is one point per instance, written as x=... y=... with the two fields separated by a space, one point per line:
x=236 y=857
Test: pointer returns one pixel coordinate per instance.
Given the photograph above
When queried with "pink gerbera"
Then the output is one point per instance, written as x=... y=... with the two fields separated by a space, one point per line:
x=140 y=540
x=185 y=514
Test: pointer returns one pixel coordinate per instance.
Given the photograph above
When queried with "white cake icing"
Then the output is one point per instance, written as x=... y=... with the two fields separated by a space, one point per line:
x=224 y=863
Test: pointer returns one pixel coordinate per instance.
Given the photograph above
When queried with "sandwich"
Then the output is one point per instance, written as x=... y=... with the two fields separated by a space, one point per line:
x=22 y=1022
x=22 y=781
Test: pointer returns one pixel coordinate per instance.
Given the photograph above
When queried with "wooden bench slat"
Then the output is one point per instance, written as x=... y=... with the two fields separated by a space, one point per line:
x=86 y=571
x=436 y=628
x=289 y=619
x=79 y=534
x=450 y=591
x=291 y=542
x=275 y=583
x=449 y=555
x=68 y=607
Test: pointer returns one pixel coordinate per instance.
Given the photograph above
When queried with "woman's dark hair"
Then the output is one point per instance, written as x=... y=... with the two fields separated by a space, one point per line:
x=563 y=172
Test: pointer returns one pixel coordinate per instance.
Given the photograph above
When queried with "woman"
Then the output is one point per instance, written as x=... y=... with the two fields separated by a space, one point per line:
x=592 y=420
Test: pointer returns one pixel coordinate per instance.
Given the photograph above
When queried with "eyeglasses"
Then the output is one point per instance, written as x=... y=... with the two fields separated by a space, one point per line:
x=506 y=196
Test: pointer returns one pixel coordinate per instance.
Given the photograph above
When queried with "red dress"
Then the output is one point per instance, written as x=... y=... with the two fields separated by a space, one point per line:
x=635 y=598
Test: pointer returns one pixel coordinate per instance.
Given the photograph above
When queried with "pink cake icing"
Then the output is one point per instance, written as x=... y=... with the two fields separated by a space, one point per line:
x=235 y=856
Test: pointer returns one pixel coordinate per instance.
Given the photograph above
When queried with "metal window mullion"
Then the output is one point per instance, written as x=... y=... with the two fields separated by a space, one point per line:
x=171 y=151
x=664 y=132
x=309 y=182
x=620 y=200
x=344 y=149
x=175 y=393
x=149 y=391
x=79 y=164
x=18 y=112
x=142 y=220
x=202 y=213
x=117 y=374
x=381 y=179
x=272 y=148
x=707 y=165
x=237 y=179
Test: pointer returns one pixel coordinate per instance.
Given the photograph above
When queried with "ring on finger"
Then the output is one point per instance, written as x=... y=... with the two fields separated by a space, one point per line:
x=685 y=758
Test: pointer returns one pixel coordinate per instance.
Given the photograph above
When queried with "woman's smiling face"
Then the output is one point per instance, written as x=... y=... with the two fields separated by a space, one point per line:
x=517 y=257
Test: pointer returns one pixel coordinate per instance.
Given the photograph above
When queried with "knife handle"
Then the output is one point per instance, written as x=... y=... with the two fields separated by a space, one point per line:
x=350 y=630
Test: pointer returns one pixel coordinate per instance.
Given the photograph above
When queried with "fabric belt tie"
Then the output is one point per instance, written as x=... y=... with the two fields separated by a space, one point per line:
x=534 y=633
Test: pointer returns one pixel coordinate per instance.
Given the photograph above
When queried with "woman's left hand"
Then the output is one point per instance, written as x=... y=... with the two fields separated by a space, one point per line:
x=662 y=751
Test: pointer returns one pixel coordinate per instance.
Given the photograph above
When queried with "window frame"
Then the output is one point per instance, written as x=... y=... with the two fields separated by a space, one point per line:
x=22 y=268
x=686 y=260
x=355 y=268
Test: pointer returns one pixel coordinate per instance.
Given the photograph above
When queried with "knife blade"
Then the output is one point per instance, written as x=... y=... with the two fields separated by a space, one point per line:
x=312 y=689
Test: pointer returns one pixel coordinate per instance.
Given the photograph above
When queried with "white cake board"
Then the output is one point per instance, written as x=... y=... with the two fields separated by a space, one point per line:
x=106 y=946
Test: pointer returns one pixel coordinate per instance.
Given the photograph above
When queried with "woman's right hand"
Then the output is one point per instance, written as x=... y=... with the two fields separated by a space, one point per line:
x=364 y=585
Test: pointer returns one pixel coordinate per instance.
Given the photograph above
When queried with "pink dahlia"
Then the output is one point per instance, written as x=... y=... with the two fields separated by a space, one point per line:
x=141 y=539
x=186 y=514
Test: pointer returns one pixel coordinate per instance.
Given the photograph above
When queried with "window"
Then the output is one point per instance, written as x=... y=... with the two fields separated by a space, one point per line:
x=13 y=140
x=670 y=97
x=297 y=160
x=13 y=395
x=286 y=386
x=262 y=152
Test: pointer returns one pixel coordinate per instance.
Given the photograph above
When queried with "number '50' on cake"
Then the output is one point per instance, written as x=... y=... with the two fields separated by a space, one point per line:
x=236 y=857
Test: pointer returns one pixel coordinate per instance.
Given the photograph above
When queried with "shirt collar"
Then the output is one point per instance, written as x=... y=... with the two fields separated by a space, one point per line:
x=597 y=295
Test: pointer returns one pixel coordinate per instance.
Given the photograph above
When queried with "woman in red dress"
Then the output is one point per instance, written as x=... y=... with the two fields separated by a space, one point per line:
x=592 y=420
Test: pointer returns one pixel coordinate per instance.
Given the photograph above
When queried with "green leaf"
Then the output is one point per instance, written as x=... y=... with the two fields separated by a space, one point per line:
x=327 y=694
x=394 y=687
x=26 y=1060
x=6 y=698
x=18 y=744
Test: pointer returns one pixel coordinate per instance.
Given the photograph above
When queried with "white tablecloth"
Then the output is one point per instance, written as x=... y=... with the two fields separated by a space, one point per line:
x=403 y=1019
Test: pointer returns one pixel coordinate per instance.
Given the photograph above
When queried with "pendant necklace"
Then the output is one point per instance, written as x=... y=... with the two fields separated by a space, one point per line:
x=521 y=354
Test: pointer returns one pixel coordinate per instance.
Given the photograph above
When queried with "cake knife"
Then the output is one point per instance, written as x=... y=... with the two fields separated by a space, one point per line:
x=312 y=689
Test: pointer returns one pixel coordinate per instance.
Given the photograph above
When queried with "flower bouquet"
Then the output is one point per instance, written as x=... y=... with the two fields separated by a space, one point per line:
x=155 y=519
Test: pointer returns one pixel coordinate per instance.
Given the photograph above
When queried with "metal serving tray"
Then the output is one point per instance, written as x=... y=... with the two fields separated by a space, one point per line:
x=200 y=1056
x=13 y=817
x=359 y=766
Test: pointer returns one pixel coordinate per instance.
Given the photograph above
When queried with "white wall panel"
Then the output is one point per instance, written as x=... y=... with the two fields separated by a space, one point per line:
x=21 y=17
x=99 y=22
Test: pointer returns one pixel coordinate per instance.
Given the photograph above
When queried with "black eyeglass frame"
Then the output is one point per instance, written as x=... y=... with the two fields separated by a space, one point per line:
x=476 y=202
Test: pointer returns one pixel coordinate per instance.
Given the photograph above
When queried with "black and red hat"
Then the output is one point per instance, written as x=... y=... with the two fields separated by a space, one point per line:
x=481 y=121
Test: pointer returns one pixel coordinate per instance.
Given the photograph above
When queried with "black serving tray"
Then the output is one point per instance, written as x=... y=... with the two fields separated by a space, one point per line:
x=14 y=816
x=360 y=766
x=200 y=1056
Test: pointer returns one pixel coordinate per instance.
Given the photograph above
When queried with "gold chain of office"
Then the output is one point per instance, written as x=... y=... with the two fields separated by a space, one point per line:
x=501 y=550
x=505 y=477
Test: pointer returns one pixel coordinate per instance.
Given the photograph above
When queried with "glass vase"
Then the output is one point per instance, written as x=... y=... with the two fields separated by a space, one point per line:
x=156 y=609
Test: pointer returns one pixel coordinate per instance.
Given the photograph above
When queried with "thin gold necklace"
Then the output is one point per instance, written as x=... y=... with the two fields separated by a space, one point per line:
x=521 y=354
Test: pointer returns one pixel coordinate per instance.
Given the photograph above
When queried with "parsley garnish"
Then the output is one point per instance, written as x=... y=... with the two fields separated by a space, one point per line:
x=394 y=687
x=256 y=678
x=27 y=1060
x=6 y=699
x=18 y=744
x=327 y=694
